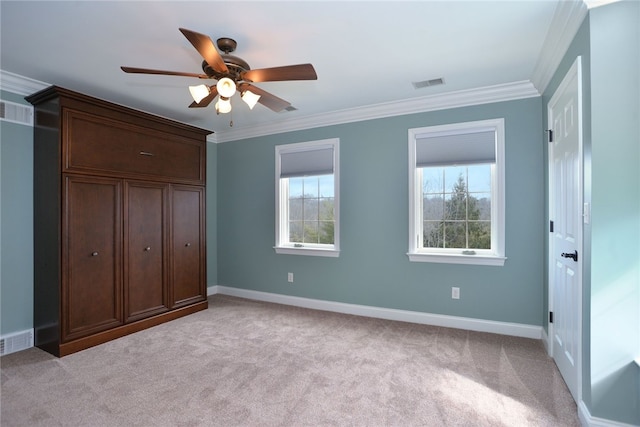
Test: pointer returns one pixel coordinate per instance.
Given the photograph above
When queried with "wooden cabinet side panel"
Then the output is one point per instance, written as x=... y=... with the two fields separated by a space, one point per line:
x=145 y=268
x=46 y=227
x=92 y=253
x=188 y=270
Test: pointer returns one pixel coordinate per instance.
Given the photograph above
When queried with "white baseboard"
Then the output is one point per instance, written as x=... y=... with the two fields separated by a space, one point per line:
x=17 y=341
x=503 y=328
x=589 y=421
x=545 y=341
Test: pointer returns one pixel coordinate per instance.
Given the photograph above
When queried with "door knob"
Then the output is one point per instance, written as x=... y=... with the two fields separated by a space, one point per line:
x=573 y=256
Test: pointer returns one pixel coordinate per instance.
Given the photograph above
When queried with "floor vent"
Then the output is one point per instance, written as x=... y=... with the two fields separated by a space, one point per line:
x=427 y=83
x=16 y=113
x=16 y=342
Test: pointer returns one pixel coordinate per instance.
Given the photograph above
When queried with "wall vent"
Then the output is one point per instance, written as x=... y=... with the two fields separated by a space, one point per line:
x=16 y=113
x=427 y=83
x=16 y=342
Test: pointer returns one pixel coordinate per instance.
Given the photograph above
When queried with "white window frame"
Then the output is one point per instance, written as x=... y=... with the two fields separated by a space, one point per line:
x=283 y=246
x=495 y=256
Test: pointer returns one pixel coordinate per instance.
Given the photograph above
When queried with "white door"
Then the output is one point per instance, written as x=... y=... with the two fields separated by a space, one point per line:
x=565 y=241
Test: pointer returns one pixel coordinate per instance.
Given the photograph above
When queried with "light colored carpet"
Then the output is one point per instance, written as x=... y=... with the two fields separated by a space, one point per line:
x=249 y=363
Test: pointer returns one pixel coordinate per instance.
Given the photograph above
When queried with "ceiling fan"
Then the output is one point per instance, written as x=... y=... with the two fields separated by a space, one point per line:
x=233 y=75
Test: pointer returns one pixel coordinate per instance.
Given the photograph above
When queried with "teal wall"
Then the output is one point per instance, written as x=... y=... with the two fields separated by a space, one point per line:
x=16 y=224
x=615 y=266
x=609 y=43
x=212 y=214
x=373 y=268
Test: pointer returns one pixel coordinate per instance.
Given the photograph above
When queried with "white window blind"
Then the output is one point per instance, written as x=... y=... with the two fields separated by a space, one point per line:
x=449 y=149
x=307 y=163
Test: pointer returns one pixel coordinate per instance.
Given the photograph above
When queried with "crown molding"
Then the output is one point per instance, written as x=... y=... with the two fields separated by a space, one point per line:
x=20 y=85
x=503 y=92
x=463 y=98
x=568 y=17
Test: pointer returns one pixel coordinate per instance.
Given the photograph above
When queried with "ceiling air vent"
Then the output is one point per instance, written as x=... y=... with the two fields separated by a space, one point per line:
x=289 y=109
x=16 y=113
x=427 y=83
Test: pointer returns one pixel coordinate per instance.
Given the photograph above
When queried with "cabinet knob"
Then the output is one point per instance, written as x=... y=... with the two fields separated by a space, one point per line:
x=94 y=254
x=187 y=244
x=147 y=249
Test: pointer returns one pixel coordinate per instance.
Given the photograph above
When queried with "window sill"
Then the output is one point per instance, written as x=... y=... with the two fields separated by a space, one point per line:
x=333 y=253
x=457 y=259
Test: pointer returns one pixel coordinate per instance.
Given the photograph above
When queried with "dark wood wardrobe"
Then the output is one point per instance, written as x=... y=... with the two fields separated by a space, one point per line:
x=119 y=220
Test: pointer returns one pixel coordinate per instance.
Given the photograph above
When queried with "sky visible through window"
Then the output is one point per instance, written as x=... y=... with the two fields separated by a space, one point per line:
x=313 y=186
x=479 y=178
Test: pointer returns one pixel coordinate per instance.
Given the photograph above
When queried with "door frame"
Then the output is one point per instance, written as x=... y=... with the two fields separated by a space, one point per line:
x=574 y=71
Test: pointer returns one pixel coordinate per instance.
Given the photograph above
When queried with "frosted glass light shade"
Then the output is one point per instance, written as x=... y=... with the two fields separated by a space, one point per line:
x=199 y=92
x=223 y=105
x=226 y=87
x=250 y=98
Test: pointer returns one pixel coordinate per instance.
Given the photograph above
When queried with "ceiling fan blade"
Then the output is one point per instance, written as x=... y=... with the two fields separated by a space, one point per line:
x=267 y=99
x=163 y=72
x=207 y=49
x=277 y=74
x=204 y=102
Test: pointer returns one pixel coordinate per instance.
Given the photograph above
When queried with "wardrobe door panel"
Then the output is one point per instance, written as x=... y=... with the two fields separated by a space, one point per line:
x=92 y=240
x=187 y=226
x=145 y=250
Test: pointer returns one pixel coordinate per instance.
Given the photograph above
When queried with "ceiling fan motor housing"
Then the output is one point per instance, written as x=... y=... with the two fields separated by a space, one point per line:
x=235 y=65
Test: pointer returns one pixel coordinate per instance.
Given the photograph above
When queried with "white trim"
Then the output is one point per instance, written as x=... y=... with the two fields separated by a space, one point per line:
x=458 y=259
x=545 y=340
x=597 y=3
x=587 y=420
x=574 y=71
x=282 y=245
x=566 y=21
x=20 y=85
x=307 y=251
x=495 y=256
x=466 y=323
x=462 y=98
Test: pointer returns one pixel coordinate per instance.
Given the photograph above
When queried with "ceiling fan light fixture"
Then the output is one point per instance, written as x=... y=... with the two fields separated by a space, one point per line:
x=250 y=98
x=199 y=92
x=226 y=87
x=223 y=105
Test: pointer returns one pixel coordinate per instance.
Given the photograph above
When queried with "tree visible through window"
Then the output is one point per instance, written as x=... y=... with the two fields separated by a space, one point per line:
x=311 y=210
x=457 y=212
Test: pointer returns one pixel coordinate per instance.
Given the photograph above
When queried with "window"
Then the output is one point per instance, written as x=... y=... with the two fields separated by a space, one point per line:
x=307 y=199
x=456 y=193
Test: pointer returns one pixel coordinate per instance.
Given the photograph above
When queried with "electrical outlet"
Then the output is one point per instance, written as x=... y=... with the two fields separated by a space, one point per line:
x=290 y=277
x=455 y=293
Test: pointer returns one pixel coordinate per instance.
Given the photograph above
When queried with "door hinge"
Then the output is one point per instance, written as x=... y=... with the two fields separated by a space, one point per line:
x=550 y=226
x=549 y=135
x=551 y=317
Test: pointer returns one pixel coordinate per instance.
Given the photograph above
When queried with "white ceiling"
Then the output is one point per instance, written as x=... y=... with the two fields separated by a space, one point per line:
x=365 y=53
